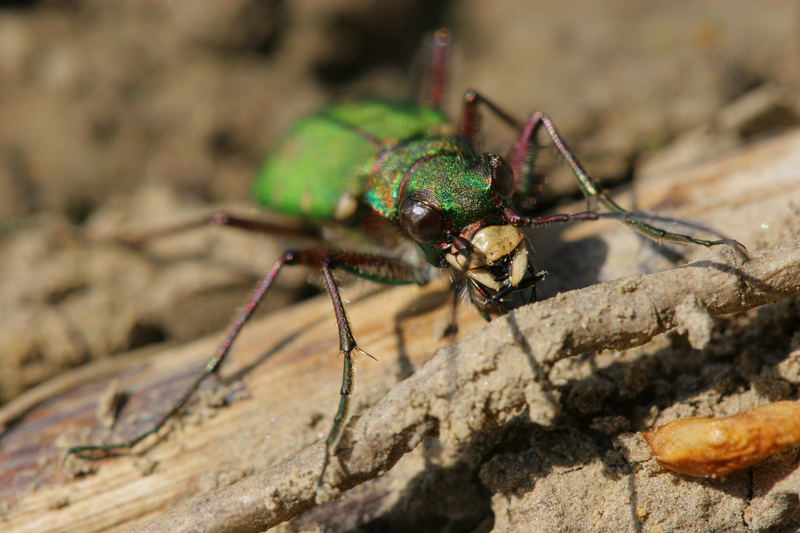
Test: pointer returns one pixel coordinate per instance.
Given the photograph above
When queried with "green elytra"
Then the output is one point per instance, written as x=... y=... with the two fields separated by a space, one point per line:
x=362 y=151
x=402 y=170
x=331 y=153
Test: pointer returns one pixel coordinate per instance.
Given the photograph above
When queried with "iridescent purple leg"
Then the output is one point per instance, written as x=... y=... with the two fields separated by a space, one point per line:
x=521 y=162
x=438 y=73
x=521 y=220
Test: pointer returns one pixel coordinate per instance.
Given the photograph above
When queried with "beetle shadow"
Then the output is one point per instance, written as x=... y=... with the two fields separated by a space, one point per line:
x=545 y=446
x=425 y=303
x=570 y=266
x=146 y=406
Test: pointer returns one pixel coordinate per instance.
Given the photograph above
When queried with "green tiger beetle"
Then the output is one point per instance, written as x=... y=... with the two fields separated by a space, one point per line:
x=402 y=174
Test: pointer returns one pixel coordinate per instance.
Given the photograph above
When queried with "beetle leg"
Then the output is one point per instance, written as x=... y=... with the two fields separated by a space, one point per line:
x=526 y=181
x=520 y=161
x=213 y=364
x=219 y=218
x=521 y=220
x=429 y=69
x=438 y=74
x=346 y=346
x=363 y=265
x=378 y=268
x=470 y=121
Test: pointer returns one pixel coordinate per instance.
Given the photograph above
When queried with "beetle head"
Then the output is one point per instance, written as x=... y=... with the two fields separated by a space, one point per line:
x=455 y=211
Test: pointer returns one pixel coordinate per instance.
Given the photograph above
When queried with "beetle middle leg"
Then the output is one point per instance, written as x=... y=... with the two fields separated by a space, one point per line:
x=218 y=218
x=374 y=267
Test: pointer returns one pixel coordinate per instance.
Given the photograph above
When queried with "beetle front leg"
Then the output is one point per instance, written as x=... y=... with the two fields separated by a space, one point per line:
x=366 y=266
x=520 y=162
x=347 y=344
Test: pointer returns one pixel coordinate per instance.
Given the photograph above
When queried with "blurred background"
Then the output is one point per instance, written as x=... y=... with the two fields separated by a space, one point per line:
x=118 y=117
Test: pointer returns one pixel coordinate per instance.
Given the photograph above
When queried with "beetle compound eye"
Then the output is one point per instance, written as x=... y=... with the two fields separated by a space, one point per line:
x=424 y=223
x=502 y=175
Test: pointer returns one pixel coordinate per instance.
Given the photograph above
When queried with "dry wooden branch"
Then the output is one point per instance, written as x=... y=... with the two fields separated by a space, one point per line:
x=449 y=396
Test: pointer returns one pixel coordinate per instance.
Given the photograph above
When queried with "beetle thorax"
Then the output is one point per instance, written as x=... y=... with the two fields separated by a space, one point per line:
x=442 y=171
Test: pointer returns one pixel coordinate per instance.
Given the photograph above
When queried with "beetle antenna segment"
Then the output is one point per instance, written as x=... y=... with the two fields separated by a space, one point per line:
x=460 y=244
x=462 y=247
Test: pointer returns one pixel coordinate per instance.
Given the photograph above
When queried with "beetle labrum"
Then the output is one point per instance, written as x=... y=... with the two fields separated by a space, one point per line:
x=404 y=175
